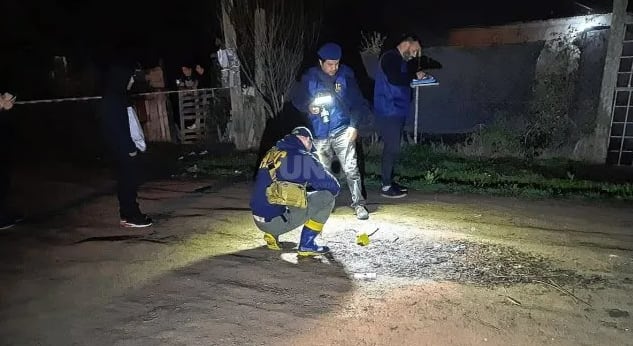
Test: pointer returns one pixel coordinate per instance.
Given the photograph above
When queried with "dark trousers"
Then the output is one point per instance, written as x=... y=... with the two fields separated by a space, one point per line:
x=390 y=129
x=128 y=172
x=6 y=160
x=5 y=183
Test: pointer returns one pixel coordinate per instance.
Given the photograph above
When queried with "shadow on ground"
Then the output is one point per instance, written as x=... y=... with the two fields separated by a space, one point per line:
x=241 y=298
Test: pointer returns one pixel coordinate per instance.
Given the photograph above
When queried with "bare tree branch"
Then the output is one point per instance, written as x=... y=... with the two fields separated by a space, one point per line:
x=289 y=28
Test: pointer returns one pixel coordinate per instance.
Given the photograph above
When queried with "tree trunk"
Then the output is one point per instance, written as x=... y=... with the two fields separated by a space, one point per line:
x=261 y=109
x=236 y=127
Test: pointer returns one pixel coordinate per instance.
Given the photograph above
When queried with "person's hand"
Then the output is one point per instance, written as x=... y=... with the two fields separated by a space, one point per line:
x=133 y=154
x=315 y=110
x=352 y=134
x=420 y=74
x=6 y=101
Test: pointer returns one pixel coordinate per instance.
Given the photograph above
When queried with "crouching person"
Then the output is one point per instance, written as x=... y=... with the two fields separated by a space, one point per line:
x=293 y=188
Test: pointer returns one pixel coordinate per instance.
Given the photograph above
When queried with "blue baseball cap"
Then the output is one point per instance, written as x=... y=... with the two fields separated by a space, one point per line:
x=330 y=51
x=302 y=131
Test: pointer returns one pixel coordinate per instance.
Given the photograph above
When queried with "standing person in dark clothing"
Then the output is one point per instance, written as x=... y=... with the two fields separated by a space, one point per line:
x=116 y=131
x=187 y=80
x=392 y=101
x=7 y=220
x=204 y=79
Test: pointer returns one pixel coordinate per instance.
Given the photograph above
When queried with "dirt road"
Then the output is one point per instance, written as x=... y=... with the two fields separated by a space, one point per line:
x=440 y=270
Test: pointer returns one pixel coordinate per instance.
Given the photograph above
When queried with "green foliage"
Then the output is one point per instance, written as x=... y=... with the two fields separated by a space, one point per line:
x=436 y=168
x=549 y=125
x=499 y=139
x=427 y=168
x=432 y=175
x=372 y=42
x=230 y=165
x=546 y=125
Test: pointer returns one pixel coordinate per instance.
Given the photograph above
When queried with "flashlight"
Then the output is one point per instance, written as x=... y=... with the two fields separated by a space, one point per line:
x=320 y=101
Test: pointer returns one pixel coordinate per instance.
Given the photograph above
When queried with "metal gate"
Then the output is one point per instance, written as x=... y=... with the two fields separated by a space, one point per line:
x=620 y=151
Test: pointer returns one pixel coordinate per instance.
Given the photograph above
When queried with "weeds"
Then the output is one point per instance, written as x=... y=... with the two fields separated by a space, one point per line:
x=372 y=42
x=439 y=169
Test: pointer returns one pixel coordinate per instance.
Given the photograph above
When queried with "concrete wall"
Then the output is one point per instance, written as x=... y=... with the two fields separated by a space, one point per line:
x=586 y=99
x=478 y=83
x=475 y=83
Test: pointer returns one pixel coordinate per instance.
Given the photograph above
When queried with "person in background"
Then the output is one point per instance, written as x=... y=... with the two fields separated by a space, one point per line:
x=392 y=101
x=7 y=219
x=116 y=131
x=202 y=75
x=187 y=80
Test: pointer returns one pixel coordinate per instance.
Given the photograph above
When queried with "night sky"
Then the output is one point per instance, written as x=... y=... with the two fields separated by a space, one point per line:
x=89 y=31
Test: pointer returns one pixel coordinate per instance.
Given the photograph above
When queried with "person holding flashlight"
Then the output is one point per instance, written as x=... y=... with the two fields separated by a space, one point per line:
x=330 y=95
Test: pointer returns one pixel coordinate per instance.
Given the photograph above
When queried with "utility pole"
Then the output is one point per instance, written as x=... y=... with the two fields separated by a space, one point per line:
x=600 y=143
x=235 y=83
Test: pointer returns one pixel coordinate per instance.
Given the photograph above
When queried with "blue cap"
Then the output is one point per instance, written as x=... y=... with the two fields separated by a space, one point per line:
x=330 y=51
x=302 y=131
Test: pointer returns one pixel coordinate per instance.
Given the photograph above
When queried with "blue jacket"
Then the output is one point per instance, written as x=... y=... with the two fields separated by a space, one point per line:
x=348 y=107
x=295 y=165
x=392 y=91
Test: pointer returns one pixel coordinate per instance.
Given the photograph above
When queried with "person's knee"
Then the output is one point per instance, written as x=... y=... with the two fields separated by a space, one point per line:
x=276 y=231
x=331 y=201
x=351 y=169
x=328 y=197
x=322 y=198
x=325 y=159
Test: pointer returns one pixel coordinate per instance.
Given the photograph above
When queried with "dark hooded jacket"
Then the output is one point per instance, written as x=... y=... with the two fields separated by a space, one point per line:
x=298 y=166
x=113 y=111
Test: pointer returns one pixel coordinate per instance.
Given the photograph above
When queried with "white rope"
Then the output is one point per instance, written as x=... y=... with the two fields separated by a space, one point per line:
x=87 y=98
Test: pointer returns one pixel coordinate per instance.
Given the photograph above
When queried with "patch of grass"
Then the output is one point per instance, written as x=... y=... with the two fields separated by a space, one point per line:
x=428 y=169
x=431 y=168
x=228 y=165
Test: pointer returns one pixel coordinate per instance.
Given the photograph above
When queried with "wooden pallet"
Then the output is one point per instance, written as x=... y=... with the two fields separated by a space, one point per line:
x=195 y=108
x=156 y=118
x=157 y=127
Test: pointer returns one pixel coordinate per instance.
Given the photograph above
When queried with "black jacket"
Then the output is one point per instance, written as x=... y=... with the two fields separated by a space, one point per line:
x=113 y=111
